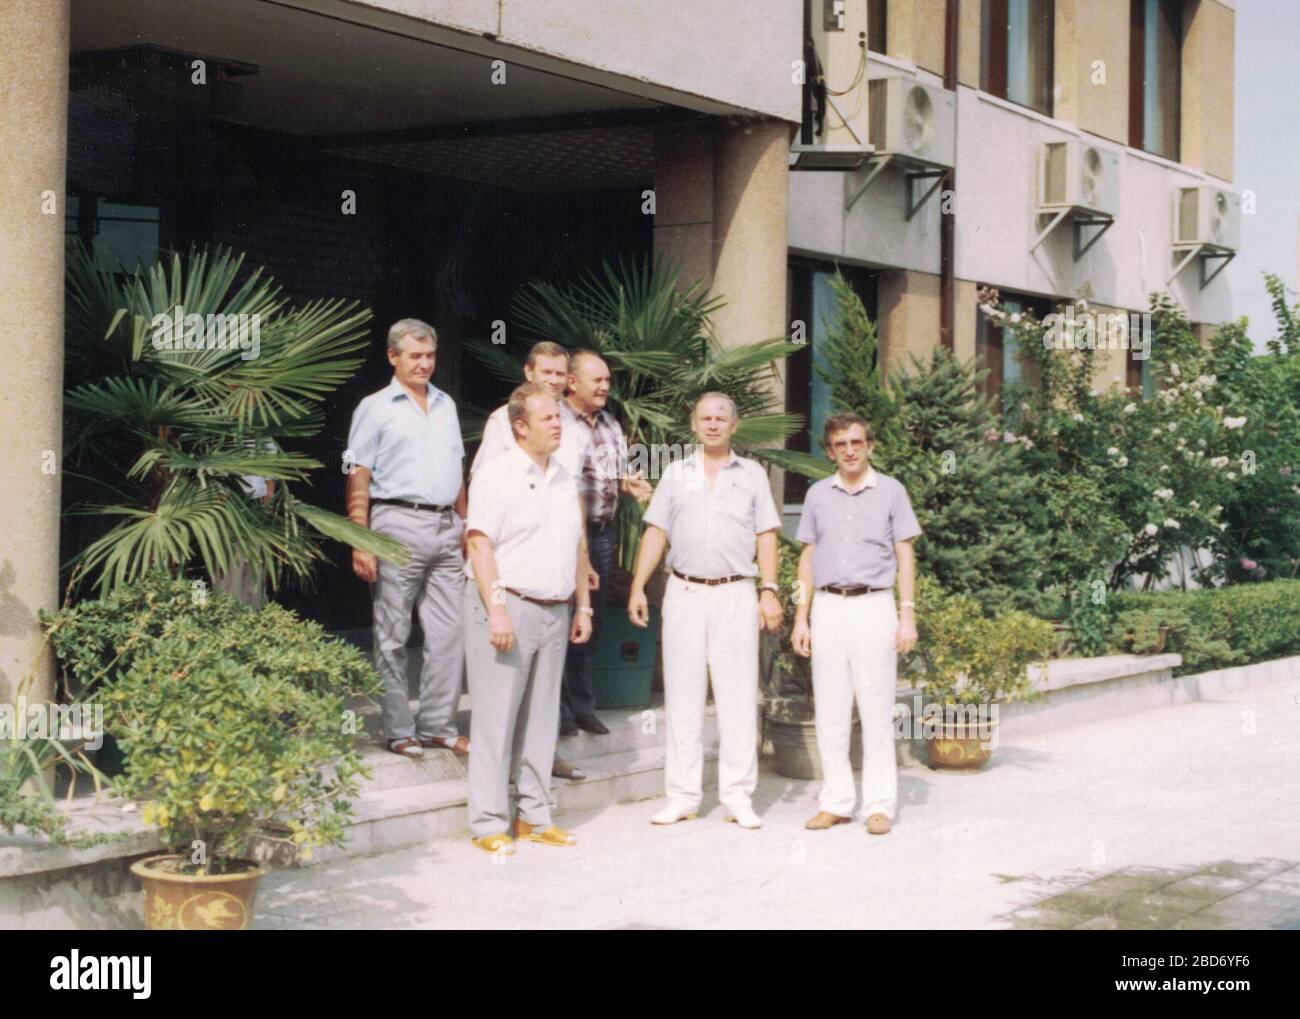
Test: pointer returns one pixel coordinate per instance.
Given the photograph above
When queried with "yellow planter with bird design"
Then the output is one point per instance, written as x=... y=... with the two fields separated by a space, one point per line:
x=174 y=901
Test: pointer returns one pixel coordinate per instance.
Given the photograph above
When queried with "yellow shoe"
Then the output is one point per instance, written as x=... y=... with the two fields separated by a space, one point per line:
x=499 y=843
x=550 y=836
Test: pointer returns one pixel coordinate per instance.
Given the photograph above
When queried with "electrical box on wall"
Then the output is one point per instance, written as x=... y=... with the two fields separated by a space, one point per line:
x=834 y=131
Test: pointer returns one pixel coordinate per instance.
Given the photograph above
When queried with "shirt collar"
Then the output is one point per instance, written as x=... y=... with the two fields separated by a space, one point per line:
x=869 y=481
x=698 y=458
x=573 y=413
x=526 y=463
x=396 y=389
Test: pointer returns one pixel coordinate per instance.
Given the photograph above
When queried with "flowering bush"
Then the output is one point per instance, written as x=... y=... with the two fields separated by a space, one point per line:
x=1128 y=482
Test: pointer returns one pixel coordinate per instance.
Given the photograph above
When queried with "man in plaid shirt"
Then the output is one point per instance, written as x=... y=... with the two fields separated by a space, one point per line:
x=602 y=477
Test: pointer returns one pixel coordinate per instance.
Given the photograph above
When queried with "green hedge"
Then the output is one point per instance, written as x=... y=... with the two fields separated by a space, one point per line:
x=1259 y=621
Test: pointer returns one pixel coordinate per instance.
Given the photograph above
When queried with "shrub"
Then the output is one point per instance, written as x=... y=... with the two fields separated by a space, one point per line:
x=963 y=657
x=99 y=640
x=1254 y=622
x=217 y=747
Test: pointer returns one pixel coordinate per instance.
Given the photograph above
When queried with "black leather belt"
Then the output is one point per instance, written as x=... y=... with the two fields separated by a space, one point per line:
x=548 y=602
x=852 y=592
x=410 y=505
x=710 y=581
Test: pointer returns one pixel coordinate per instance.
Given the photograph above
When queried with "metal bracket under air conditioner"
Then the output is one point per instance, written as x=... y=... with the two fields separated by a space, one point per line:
x=1089 y=219
x=913 y=172
x=874 y=165
x=929 y=173
x=1080 y=218
x=1204 y=253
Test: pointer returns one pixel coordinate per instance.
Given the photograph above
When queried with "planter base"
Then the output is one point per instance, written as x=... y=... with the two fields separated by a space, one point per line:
x=795 y=746
x=196 y=902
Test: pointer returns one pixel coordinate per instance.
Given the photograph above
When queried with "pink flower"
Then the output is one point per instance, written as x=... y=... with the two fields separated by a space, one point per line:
x=1248 y=564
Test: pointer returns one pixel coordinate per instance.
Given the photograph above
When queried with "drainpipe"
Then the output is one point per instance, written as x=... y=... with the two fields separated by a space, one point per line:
x=947 y=222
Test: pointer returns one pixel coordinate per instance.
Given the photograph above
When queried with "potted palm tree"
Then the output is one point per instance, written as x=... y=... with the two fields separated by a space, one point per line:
x=165 y=413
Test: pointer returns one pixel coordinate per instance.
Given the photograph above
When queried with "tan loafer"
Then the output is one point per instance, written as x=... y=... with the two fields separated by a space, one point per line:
x=825 y=819
x=552 y=835
x=499 y=843
x=878 y=824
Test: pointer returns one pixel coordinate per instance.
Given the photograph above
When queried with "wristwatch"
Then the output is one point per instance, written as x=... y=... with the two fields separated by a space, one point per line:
x=774 y=588
x=586 y=610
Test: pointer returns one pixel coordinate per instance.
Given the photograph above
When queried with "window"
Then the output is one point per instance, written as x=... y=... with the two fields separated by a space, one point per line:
x=1155 y=75
x=1016 y=49
x=877 y=39
x=812 y=302
x=121 y=237
x=996 y=350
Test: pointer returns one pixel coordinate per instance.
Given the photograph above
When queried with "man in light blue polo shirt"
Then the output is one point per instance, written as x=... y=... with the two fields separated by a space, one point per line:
x=857 y=528
x=716 y=512
x=406 y=481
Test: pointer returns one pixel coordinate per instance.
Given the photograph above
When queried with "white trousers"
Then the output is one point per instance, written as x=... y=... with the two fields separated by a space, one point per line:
x=853 y=657
x=711 y=634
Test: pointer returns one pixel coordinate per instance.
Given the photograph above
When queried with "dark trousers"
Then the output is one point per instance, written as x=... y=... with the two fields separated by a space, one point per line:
x=579 y=696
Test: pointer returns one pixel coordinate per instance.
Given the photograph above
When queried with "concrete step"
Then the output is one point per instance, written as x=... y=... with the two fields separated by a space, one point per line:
x=410 y=803
x=628 y=730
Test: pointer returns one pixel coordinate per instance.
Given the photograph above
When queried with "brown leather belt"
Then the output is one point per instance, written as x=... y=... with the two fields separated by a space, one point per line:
x=710 y=581
x=548 y=602
x=852 y=592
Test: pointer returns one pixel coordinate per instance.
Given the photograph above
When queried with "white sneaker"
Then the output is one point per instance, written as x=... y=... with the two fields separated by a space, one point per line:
x=745 y=817
x=674 y=812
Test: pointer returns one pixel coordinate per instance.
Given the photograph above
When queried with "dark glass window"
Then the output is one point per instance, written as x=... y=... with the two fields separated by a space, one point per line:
x=877 y=37
x=1155 y=75
x=812 y=302
x=1016 y=50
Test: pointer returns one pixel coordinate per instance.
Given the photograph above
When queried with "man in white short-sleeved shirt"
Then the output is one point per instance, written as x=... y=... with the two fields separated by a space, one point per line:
x=715 y=511
x=527 y=560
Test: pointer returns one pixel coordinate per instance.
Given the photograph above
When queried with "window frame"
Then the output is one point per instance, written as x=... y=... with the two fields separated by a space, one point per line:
x=1137 y=77
x=995 y=54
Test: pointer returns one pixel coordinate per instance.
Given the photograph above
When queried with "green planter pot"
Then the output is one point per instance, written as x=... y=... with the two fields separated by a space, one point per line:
x=794 y=744
x=625 y=660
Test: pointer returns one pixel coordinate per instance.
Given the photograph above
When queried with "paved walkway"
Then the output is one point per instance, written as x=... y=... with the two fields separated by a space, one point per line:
x=1186 y=816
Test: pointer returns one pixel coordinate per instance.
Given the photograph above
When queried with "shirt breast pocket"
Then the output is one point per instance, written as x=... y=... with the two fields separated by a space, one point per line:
x=738 y=505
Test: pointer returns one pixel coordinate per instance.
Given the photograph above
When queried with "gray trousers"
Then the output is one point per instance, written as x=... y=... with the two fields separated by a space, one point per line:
x=516 y=699
x=433 y=582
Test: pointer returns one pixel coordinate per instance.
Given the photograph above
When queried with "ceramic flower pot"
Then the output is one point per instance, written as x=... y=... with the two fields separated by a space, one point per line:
x=197 y=902
x=960 y=745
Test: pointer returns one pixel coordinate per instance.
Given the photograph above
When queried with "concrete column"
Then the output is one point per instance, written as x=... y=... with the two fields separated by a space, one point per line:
x=908 y=318
x=683 y=185
x=750 y=193
x=750 y=240
x=33 y=151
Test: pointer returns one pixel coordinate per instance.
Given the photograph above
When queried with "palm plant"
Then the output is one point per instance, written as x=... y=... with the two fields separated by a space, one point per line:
x=662 y=355
x=158 y=438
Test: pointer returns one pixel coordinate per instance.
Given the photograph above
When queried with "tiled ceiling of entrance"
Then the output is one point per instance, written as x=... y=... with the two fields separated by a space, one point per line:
x=604 y=157
x=318 y=75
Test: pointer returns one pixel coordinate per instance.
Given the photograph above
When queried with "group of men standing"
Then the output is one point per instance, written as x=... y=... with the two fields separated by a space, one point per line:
x=510 y=576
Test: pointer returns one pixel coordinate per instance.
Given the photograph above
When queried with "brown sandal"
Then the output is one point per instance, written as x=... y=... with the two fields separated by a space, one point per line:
x=459 y=746
x=407 y=746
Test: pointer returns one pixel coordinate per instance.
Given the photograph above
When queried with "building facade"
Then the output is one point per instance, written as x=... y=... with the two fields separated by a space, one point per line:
x=1072 y=145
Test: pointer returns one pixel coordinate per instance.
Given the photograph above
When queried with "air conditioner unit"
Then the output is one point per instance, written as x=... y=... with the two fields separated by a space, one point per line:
x=1074 y=174
x=833 y=135
x=1205 y=215
x=912 y=120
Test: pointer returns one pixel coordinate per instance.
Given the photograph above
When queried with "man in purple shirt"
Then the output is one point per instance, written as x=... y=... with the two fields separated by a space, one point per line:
x=857 y=528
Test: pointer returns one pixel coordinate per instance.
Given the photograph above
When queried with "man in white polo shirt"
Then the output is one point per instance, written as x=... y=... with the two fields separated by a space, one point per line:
x=527 y=559
x=714 y=511
x=857 y=528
